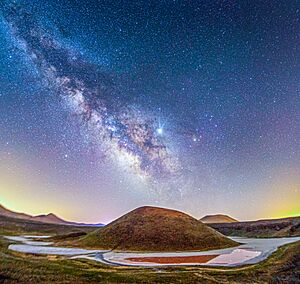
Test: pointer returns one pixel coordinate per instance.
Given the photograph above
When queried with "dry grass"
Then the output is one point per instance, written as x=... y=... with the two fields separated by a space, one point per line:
x=285 y=227
x=156 y=229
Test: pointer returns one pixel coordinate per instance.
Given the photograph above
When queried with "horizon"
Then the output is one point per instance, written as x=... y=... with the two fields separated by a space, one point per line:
x=106 y=107
x=111 y=220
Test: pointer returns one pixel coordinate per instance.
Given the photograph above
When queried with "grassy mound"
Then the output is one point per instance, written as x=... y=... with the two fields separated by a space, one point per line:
x=156 y=229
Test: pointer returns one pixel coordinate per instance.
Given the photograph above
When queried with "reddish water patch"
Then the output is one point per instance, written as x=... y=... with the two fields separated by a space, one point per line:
x=174 y=259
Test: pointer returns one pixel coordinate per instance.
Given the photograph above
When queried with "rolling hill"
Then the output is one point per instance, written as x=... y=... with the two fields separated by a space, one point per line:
x=156 y=229
x=284 y=227
x=8 y=213
x=218 y=218
x=45 y=218
x=17 y=226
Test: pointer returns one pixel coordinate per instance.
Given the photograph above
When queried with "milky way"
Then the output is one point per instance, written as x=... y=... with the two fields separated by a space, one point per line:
x=124 y=132
x=187 y=104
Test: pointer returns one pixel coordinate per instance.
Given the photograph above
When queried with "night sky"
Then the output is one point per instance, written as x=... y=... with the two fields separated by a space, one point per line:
x=110 y=105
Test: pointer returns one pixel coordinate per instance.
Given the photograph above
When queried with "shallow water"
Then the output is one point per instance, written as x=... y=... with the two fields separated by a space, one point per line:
x=250 y=251
x=16 y=238
x=27 y=238
x=49 y=250
x=237 y=256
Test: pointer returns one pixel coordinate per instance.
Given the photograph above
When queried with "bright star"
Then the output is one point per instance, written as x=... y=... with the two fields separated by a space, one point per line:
x=159 y=131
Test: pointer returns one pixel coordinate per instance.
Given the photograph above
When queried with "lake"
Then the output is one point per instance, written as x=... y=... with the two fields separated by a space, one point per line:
x=251 y=250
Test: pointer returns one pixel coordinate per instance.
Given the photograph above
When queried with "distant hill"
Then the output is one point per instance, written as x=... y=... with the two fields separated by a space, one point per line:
x=48 y=218
x=218 y=218
x=284 y=227
x=8 y=213
x=156 y=229
x=17 y=226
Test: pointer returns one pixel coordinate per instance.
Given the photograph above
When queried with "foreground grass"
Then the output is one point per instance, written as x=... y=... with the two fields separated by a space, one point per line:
x=282 y=267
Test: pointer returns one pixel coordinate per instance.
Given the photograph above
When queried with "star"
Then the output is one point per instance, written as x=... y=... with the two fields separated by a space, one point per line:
x=159 y=131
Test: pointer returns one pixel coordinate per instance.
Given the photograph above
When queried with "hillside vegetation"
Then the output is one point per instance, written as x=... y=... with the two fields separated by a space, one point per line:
x=156 y=229
x=285 y=227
